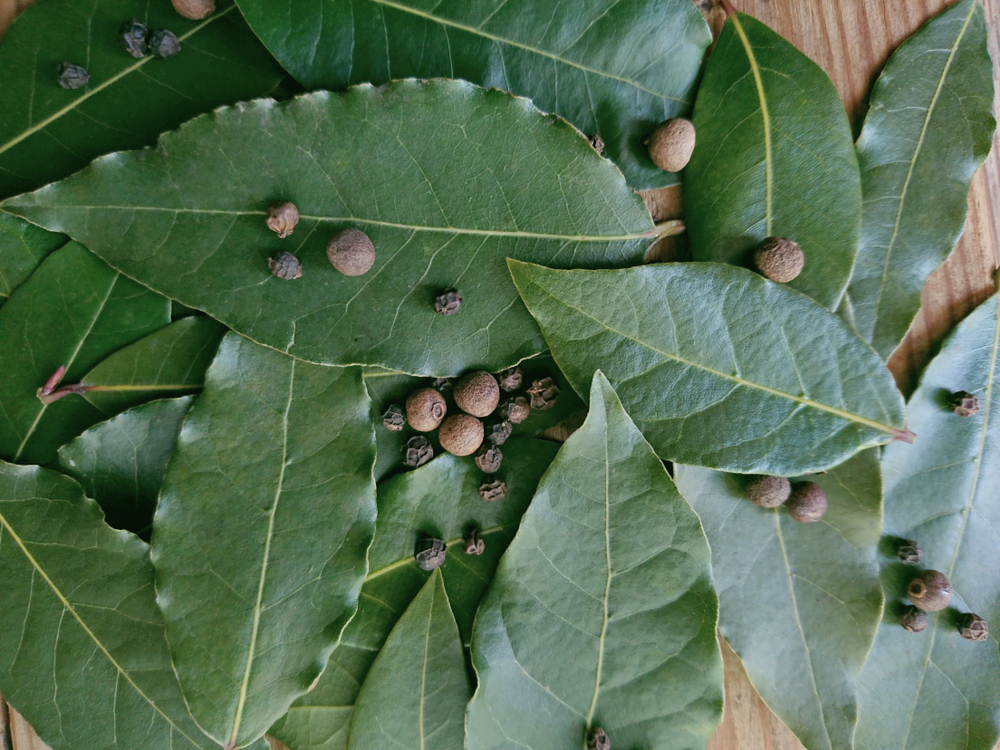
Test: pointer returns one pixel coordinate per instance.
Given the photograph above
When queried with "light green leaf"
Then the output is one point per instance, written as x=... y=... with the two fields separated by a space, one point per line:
x=799 y=603
x=47 y=132
x=84 y=658
x=609 y=67
x=716 y=365
x=121 y=462
x=74 y=311
x=602 y=612
x=22 y=247
x=930 y=690
x=440 y=499
x=928 y=129
x=774 y=157
x=417 y=689
x=447 y=179
x=259 y=540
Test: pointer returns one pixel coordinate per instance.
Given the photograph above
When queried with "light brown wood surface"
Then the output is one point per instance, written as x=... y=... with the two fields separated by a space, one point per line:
x=850 y=40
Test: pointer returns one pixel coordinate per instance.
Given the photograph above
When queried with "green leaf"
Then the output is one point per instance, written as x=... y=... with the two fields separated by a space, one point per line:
x=718 y=366
x=22 y=247
x=799 y=603
x=259 y=540
x=48 y=132
x=439 y=499
x=85 y=660
x=447 y=179
x=602 y=612
x=930 y=690
x=73 y=311
x=612 y=68
x=928 y=129
x=417 y=689
x=774 y=157
x=121 y=462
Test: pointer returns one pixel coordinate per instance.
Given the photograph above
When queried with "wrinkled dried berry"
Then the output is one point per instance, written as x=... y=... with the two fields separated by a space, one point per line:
x=973 y=627
x=351 y=252
x=285 y=266
x=807 y=503
x=768 y=492
x=498 y=431
x=448 y=301
x=442 y=384
x=394 y=418
x=477 y=393
x=908 y=552
x=515 y=410
x=164 y=44
x=914 y=620
x=417 y=451
x=282 y=218
x=72 y=76
x=488 y=458
x=511 y=379
x=544 y=393
x=963 y=403
x=461 y=434
x=779 y=259
x=930 y=590
x=597 y=739
x=473 y=544
x=597 y=143
x=493 y=490
x=425 y=409
x=430 y=553
x=133 y=36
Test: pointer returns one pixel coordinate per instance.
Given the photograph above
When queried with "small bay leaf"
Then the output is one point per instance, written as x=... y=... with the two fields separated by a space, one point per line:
x=22 y=247
x=602 y=611
x=774 y=157
x=929 y=127
x=930 y=690
x=259 y=539
x=718 y=366
x=427 y=169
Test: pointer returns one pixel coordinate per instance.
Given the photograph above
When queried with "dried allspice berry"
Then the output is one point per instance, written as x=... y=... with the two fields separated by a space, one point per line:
x=442 y=384
x=973 y=627
x=285 y=266
x=72 y=76
x=164 y=44
x=930 y=590
x=394 y=418
x=473 y=544
x=477 y=393
x=425 y=409
x=544 y=393
x=671 y=144
x=779 y=259
x=597 y=143
x=194 y=9
x=807 y=503
x=488 y=458
x=430 y=553
x=497 y=431
x=448 y=301
x=417 y=451
x=493 y=490
x=515 y=410
x=461 y=434
x=768 y=492
x=597 y=739
x=511 y=378
x=963 y=403
x=913 y=620
x=133 y=36
x=908 y=552
x=351 y=252
x=282 y=218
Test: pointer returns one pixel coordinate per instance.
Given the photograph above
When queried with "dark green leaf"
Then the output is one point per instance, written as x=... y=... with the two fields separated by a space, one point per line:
x=446 y=178
x=48 y=132
x=774 y=157
x=718 y=366
x=799 y=603
x=609 y=67
x=73 y=311
x=930 y=690
x=22 y=247
x=928 y=129
x=602 y=612
x=259 y=540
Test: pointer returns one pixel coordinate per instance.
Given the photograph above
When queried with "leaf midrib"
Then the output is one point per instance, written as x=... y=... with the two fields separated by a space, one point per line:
x=607 y=585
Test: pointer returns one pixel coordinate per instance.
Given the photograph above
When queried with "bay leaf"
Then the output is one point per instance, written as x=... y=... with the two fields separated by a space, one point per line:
x=602 y=611
x=22 y=247
x=260 y=536
x=716 y=365
x=611 y=68
x=923 y=691
x=928 y=129
x=800 y=603
x=442 y=499
x=416 y=692
x=73 y=311
x=47 y=132
x=427 y=169
x=120 y=463
x=774 y=157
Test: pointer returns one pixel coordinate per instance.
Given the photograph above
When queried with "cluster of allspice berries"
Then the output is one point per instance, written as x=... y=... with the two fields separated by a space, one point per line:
x=350 y=250
x=805 y=501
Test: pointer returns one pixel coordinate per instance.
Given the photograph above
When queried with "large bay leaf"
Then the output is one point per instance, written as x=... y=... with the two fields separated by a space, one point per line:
x=799 y=603
x=446 y=178
x=934 y=689
x=73 y=311
x=774 y=157
x=718 y=366
x=22 y=247
x=928 y=128
x=439 y=499
x=609 y=67
x=416 y=692
x=260 y=537
x=602 y=611
x=47 y=132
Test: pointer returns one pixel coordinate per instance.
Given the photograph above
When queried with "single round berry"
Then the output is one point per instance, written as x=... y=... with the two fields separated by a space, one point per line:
x=164 y=44
x=73 y=76
x=194 y=9
x=930 y=590
x=448 y=301
x=477 y=393
x=807 y=503
x=461 y=434
x=913 y=620
x=779 y=259
x=351 y=252
x=515 y=410
x=425 y=409
x=671 y=144
x=768 y=492
x=282 y=218
x=963 y=403
x=973 y=627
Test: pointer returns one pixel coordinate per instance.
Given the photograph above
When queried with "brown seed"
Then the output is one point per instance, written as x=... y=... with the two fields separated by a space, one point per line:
x=768 y=492
x=285 y=266
x=430 y=553
x=394 y=418
x=511 y=379
x=351 y=252
x=973 y=627
x=807 y=503
x=282 y=218
x=671 y=144
x=461 y=434
x=597 y=739
x=908 y=552
x=417 y=451
x=963 y=403
x=498 y=430
x=488 y=458
x=544 y=394
x=779 y=259
x=515 y=410
x=930 y=590
x=493 y=490
x=914 y=620
x=473 y=544
x=477 y=393
x=425 y=409
x=194 y=9
x=448 y=301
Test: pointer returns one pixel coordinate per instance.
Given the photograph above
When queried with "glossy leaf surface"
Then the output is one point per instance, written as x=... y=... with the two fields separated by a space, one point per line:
x=799 y=603
x=259 y=540
x=774 y=157
x=440 y=499
x=934 y=689
x=928 y=129
x=602 y=612
x=609 y=67
x=447 y=179
x=121 y=462
x=22 y=247
x=716 y=365
x=73 y=311
x=416 y=691
x=47 y=132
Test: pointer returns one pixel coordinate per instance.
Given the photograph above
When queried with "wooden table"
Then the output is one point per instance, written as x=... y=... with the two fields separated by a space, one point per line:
x=850 y=40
